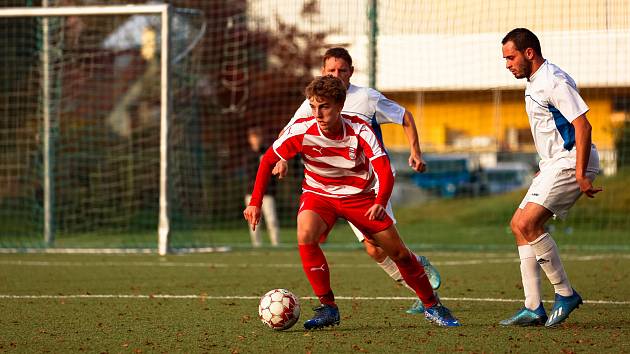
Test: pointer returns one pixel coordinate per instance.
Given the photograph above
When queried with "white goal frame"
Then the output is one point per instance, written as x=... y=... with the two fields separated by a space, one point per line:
x=164 y=10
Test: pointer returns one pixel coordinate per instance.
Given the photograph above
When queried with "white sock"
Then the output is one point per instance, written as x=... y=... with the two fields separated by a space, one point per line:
x=547 y=256
x=530 y=276
x=392 y=270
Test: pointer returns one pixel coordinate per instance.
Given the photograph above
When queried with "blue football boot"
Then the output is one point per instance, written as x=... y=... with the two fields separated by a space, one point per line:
x=434 y=278
x=325 y=315
x=431 y=271
x=527 y=317
x=416 y=308
x=441 y=316
x=562 y=307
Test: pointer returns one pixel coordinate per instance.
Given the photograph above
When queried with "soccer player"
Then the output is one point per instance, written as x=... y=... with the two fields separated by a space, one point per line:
x=568 y=166
x=375 y=109
x=339 y=182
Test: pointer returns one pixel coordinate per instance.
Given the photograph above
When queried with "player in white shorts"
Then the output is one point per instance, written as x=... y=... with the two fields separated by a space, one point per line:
x=568 y=165
x=375 y=109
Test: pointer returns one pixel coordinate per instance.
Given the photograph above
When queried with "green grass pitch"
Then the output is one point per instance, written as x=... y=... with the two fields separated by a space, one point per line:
x=208 y=303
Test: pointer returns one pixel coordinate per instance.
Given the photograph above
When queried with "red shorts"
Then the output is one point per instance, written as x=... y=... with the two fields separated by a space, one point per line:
x=351 y=208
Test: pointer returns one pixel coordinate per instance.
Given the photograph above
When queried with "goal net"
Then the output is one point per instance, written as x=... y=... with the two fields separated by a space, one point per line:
x=106 y=143
x=97 y=124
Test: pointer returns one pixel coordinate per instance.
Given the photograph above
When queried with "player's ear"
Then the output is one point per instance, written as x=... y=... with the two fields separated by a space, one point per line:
x=529 y=53
x=351 y=70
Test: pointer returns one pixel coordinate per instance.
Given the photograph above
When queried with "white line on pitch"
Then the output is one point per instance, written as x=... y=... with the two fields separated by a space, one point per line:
x=237 y=297
x=282 y=265
x=223 y=265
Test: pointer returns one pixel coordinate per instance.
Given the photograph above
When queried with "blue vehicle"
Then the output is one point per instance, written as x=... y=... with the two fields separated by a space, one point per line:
x=508 y=176
x=446 y=175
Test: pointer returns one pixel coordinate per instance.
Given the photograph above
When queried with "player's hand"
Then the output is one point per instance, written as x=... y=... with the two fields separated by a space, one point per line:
x=376 y=212
x=586 y=186
x=281 y=168
x=252 y=215
x=417 y=163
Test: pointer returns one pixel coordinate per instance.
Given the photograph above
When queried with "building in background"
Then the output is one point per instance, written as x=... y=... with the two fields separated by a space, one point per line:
x=443 y=61
x=247 y=63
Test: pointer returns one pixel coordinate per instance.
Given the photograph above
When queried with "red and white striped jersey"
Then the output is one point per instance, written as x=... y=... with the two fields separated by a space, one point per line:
x=334 y=168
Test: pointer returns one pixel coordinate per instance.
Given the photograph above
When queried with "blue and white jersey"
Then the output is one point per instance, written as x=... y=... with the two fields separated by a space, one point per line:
x=552 y=102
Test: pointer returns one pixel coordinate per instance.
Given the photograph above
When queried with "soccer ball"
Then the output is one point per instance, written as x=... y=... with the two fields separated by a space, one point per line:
x=279 y=309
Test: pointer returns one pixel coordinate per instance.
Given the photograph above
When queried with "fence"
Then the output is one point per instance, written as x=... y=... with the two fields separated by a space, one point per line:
x=238 y=64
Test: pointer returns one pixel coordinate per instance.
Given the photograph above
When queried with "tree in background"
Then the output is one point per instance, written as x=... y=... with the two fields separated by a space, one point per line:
x=246 y=71
x=251 y=75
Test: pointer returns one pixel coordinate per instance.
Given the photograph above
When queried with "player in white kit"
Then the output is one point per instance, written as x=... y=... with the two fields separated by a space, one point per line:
x=568 y=165
x=375 y=109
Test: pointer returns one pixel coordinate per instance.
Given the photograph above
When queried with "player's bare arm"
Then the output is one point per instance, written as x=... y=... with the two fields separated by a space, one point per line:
x=415 y=154
x=583 y=147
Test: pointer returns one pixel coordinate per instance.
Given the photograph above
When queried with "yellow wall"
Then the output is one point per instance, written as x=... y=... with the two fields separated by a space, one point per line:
x=474 y=114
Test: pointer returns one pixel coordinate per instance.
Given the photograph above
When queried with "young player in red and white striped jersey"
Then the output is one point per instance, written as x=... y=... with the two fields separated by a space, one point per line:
x=332 y=167
x=374 y=109
x=341 y=156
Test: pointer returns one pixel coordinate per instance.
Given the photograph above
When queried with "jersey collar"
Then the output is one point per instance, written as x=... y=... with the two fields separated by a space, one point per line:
x=543 y=65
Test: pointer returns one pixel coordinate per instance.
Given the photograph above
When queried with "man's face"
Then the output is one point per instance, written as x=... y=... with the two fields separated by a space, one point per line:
x=327 y=112
x=338 y=68
x=254 y=140
x=516 y=61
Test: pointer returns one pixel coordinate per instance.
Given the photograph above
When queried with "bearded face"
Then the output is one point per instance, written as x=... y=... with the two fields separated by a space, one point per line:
x=517 y=61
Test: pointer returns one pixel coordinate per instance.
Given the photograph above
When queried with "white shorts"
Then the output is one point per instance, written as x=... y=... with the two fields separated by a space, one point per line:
x=556 y=190
x=359 y=234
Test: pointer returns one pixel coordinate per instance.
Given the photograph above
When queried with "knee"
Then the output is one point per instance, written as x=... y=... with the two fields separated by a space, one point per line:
x=400 y=255
x=307 y=236
x=514 y=226
x=374 y=251
x=524 y=228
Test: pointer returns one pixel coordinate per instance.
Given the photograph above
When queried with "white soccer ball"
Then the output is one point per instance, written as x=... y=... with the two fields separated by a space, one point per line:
x=279 y=309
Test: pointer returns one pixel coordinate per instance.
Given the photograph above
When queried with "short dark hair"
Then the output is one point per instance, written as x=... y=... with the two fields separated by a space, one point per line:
x=326 y=87
x=523 y=39
x=255 y=130
x=339 y=53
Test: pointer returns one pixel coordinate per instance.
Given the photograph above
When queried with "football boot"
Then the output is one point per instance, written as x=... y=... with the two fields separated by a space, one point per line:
x=562 y=307
x=431 y=271
x=441 y=316
x=325 y=315
x=416 y=308
x=527 y=317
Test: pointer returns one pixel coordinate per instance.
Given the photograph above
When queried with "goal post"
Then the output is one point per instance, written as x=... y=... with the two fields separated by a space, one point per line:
x=164 y=12
x=113 y=139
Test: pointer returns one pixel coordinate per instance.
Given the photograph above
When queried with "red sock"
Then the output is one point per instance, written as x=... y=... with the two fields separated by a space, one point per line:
x=316 y=270
x=413 y=273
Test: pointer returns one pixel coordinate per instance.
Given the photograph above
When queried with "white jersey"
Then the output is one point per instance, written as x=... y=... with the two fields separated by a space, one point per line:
x=552 y=102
